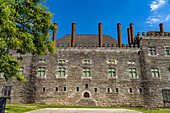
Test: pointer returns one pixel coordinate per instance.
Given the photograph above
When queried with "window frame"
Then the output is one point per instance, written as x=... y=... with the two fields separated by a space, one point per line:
x=151 y=50
x=65 y=72
x=115 y=72
x=83 y=61
x=132 y=62
x=158 y=72
x=111 y=61
x=41 y=72
x=65 y=61
x=85 y=71
x=167 y=98
x=165 y=49
x=132 y=77
x=43 y=61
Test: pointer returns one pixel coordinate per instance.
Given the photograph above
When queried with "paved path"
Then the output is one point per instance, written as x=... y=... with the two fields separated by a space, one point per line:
x=82 y=110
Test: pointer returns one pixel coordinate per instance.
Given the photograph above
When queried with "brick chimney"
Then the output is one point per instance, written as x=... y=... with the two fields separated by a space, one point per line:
x=161 y=28
x=132 y=32
x=73 y=34
x=129 y=36
x=55 y=34
x=119 y=34
x=100 y=35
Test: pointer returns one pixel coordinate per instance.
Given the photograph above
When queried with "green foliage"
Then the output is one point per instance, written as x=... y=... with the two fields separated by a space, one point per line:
x=24 y=28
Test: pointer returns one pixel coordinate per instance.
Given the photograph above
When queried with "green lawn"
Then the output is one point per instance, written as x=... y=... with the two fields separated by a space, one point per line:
x=21 y=108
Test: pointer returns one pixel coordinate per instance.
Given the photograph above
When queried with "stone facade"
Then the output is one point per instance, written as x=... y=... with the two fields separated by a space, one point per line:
x=75 y=87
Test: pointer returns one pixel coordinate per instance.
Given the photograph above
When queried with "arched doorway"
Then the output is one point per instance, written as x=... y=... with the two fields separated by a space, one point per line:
x=86 y=95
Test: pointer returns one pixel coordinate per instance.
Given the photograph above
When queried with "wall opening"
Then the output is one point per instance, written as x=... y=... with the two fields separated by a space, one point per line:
x=86 y=95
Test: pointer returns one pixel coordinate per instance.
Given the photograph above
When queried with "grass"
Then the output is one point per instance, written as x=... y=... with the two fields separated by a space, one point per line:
x=21 y=108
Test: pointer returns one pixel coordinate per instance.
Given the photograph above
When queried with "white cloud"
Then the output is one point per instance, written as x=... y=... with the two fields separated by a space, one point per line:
x=167 y=18
x=157 y=19
x=156 y=4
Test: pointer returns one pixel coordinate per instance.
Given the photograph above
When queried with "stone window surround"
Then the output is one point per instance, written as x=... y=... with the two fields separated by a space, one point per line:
x=137 y=77
x=165 y=51
x=91 y=62
x=131 y=63
x=115 y=71
x=66 y=61
x=86 y=77
x=110 y=90
x=87 y=92
x=45 y=76
x=158 y=71
x=112 y=60
x=116 y=90
x=57 y=89
x=66 y=71
x=76 y=89
x=138 y=90
x=97 y=90
x=43 y=89
x=129 y=91
x=155 y=50
x=42 y=59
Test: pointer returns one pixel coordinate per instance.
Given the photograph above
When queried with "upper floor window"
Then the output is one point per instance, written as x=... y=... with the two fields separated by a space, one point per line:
x=42 y=61
x=132 y=73
x=41 y=71
x=131 y=62
x=111 y=61
x=112 y=72
x=155 y=72
x=86 y=72
x=152 y=51
x=167 y=51
x=61 y=61
x=61 y=72
x=21 y=71
x=86 y=61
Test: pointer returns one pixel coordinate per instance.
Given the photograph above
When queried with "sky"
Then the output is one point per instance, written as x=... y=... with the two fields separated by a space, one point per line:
x=146 y=15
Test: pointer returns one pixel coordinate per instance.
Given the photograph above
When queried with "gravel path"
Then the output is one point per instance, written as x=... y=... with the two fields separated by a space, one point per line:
x=82 y=110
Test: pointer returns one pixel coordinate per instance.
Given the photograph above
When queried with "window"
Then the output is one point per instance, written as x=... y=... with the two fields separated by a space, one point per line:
x=130 y=90
x=41 y=71
x=166 y=95
x=65 y=89
x=152 y=50
x=1 y=74
x=117 y=90
x=6 y=91
x=155 y=72
x=131 y=62
x=77 y=88
x=21 y=71
x=42 y=61
x=132 y=73
x=61 y=72
x=112 y=72
x=86 y=72
x=86 y=85
x=140 y=90
x=34 y=89
x=86 y=61
x=95 y=89
x=167 y=51
x=56 y=89
x=111 y=61
x=108 y=90
x=61 y=61
x=43 y=89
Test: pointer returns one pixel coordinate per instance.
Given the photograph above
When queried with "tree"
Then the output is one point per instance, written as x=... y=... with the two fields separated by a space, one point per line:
x=24 y=28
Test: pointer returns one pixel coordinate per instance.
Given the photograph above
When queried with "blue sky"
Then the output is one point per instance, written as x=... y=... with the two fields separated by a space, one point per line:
x=144 y=14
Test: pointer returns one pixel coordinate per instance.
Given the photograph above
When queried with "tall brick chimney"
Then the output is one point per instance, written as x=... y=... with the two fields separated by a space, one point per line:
x=119 y=34
x=73 y=34
x=129 y=36
x=161 y=28
x=55 y=34
x=132 y=32
x=100 y=35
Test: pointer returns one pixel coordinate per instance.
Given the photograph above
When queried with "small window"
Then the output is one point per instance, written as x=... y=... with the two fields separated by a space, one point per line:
x=86 y=72
x=61 y=61
x=6 y=91
x=65 y=89
x=1 y=74
x=167 y=51
x=56 y=89
x=152 y=51
x=117 y=90
x=140 y=90
x=95 y=90
x=110 y=61
x=86 y=85
x=21 y=70
x=166 y=95
x=132 y=73
x=108 y=90
x=77 y=88
x=112 y=72
x=61 y=72
x=155 y=72
x=86 y=61
x=42 y=61
x=34 y=89
x=131 y=62
x=130 y=90
x=41 y=71
x=44 y=89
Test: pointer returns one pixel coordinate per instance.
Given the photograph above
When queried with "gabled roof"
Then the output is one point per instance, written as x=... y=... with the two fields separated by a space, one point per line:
x=86 y=39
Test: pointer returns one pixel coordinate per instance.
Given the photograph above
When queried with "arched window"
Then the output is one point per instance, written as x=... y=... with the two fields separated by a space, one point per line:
x=86 y=95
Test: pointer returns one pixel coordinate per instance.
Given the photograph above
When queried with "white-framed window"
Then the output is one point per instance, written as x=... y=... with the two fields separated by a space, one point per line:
x=41 y=72
x=42 y=61
x=132 y=73
x=167 y=51
x=130 y=90
x=109 y=90
x=112 y=72
x=111 y=61
x=43 y=89
x=95 y=90
x=131 y=62
x=152 y=51
x=61 y=61
x=21 y=71
x=155 y=72
x=61 y=72
x=86 y=72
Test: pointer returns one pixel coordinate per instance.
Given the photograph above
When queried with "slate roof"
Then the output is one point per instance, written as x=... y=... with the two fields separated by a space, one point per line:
x=87 y=39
